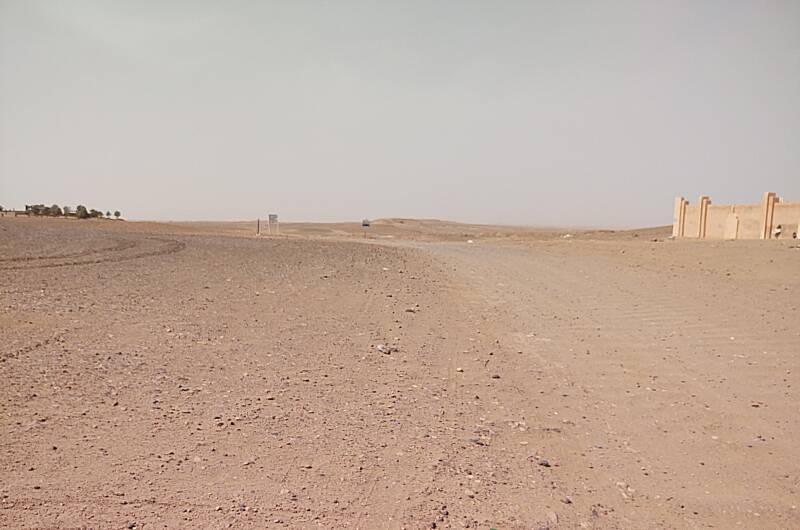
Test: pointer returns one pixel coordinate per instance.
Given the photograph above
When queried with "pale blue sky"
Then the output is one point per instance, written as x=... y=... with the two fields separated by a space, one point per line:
x=539 y=113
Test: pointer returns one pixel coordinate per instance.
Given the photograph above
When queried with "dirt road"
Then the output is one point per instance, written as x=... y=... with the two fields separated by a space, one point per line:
x=667 y=369
x=162 y=376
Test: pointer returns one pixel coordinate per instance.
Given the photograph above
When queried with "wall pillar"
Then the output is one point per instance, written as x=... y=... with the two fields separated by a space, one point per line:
x=703 y=213
x=767 y=214
x=775 y=200
x=679 y=217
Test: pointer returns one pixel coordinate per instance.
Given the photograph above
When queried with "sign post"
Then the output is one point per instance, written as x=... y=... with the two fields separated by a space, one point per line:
x=365 y=225
x=273 y=218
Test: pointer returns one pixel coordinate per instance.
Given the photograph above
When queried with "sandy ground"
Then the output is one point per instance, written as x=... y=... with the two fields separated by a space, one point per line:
x=192 y=375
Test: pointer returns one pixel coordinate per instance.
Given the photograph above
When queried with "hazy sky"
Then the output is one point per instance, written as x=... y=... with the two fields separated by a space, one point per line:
x=550 y=113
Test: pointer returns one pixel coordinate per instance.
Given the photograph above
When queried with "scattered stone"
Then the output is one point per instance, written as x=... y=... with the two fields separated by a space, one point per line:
x=543 y=462
x=459 y=369
x=495 y=376
x=567 y=500
x=469 y=493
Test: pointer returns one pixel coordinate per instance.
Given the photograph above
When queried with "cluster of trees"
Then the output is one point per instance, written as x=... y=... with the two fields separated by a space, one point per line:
x=80 y=211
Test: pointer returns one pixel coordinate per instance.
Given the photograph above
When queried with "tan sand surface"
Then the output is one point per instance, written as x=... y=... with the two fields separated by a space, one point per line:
x=192 y=375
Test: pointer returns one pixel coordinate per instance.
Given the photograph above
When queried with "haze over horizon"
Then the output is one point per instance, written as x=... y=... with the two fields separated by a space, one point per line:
x=530 y=113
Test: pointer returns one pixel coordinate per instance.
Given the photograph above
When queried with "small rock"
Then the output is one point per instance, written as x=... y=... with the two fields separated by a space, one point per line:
x=469 y=493
x=543 y=462
x=495 y=376
x=567 y=500
x=459 y=369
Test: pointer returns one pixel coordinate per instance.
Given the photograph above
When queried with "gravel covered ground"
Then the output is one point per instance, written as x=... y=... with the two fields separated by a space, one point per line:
x=172 y=376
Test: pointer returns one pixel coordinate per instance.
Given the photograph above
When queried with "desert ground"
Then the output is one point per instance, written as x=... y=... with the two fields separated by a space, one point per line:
x=434 y=375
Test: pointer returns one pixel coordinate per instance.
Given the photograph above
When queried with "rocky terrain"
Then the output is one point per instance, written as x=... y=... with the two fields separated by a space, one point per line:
x=434 y=375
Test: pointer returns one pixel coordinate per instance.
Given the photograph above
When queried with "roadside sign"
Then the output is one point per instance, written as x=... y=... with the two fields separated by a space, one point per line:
x=365 y=223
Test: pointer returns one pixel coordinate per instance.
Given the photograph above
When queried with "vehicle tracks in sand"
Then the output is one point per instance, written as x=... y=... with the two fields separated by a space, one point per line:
x=113 y=254
x=651 y=362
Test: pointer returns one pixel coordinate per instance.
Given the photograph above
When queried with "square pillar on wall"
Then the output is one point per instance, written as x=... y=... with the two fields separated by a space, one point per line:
x=679 y=217
x=767 y=212
x=703 y=216
x=771 y=216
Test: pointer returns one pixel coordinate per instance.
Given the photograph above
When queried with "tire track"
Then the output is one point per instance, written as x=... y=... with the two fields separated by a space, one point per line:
x=668 y=361
x=118 y=247
x=171 y=246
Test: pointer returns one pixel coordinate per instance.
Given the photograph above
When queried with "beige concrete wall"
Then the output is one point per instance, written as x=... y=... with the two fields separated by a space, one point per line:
x=735 y=221
x=738 y=221
x=691 y=220
x=788 y=216
x=749 y=220
x=717 y=220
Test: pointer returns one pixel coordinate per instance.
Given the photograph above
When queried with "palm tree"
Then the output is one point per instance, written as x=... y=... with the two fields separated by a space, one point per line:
x=117 y=214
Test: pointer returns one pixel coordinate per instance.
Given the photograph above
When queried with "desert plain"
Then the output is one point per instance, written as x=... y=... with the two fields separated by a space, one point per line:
x=433 y=375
